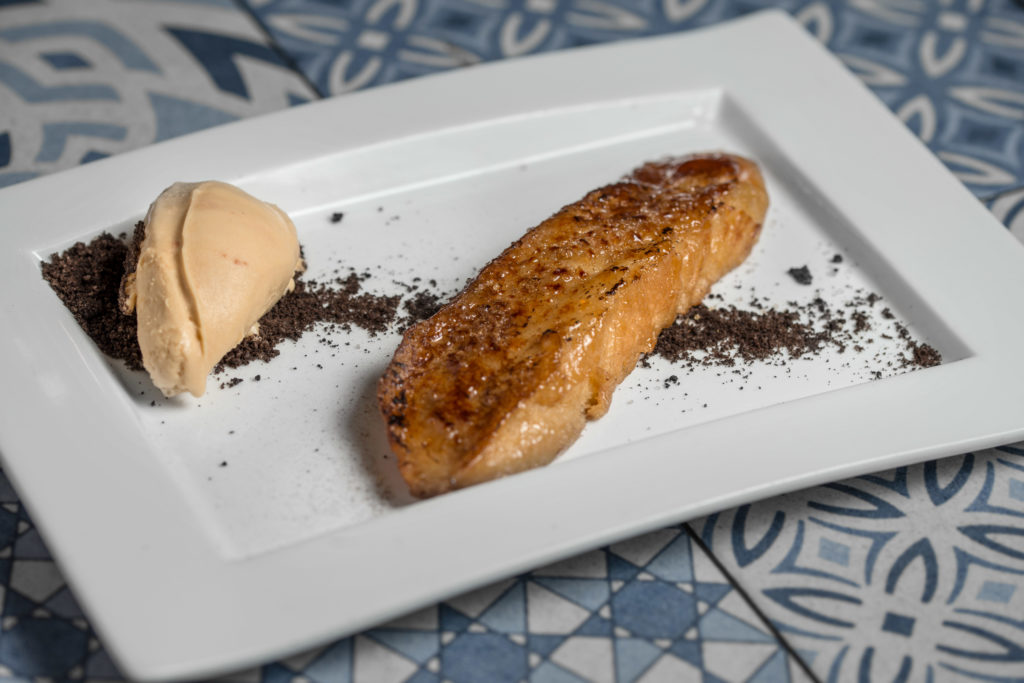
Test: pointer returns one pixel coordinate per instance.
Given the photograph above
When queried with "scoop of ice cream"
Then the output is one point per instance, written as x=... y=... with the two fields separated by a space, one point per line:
x=212 y=260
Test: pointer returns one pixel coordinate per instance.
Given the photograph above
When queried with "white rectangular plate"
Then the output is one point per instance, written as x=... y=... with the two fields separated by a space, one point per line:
x=204 y=535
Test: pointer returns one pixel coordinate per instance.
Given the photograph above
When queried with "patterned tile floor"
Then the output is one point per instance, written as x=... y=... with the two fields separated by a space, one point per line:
x=914 y=575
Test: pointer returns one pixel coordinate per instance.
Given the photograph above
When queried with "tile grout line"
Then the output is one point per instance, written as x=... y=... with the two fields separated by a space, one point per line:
x=694 y=538
x=272 y=43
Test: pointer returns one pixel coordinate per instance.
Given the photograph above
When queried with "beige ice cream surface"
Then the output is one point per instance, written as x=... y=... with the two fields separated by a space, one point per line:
x=213 y=260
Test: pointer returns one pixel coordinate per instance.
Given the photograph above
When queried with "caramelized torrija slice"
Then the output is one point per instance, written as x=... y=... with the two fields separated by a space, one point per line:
x=504 y=377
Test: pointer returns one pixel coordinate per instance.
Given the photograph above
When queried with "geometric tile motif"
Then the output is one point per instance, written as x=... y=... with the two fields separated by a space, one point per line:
x=43 y=633
x=86 y=79
x=933 y=580
x=594 y=626
x=952 y=71
x=915 y=573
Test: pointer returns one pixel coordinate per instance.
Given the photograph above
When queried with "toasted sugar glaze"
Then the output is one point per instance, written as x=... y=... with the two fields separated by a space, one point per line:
x=504 y=377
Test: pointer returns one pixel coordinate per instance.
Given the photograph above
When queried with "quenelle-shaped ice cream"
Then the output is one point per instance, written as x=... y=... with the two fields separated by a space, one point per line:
x=213 y=260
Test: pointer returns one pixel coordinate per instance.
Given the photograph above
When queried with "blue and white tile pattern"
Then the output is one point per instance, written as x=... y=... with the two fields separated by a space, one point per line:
x=951 y=69
x=916 y=574
x=83 y=79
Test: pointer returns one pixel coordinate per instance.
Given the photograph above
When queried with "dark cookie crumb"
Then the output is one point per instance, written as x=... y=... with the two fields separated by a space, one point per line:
x=924 y=355
x=802 y=275
x=726 y=336
x=721 y=336
x=341 y=303
x=422 y=305
x=87 y=278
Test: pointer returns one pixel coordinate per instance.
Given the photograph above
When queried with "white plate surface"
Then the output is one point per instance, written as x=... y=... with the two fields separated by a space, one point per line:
x=187 y=567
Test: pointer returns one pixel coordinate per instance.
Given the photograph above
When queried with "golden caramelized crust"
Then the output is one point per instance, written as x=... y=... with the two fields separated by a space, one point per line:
x=505 y=376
